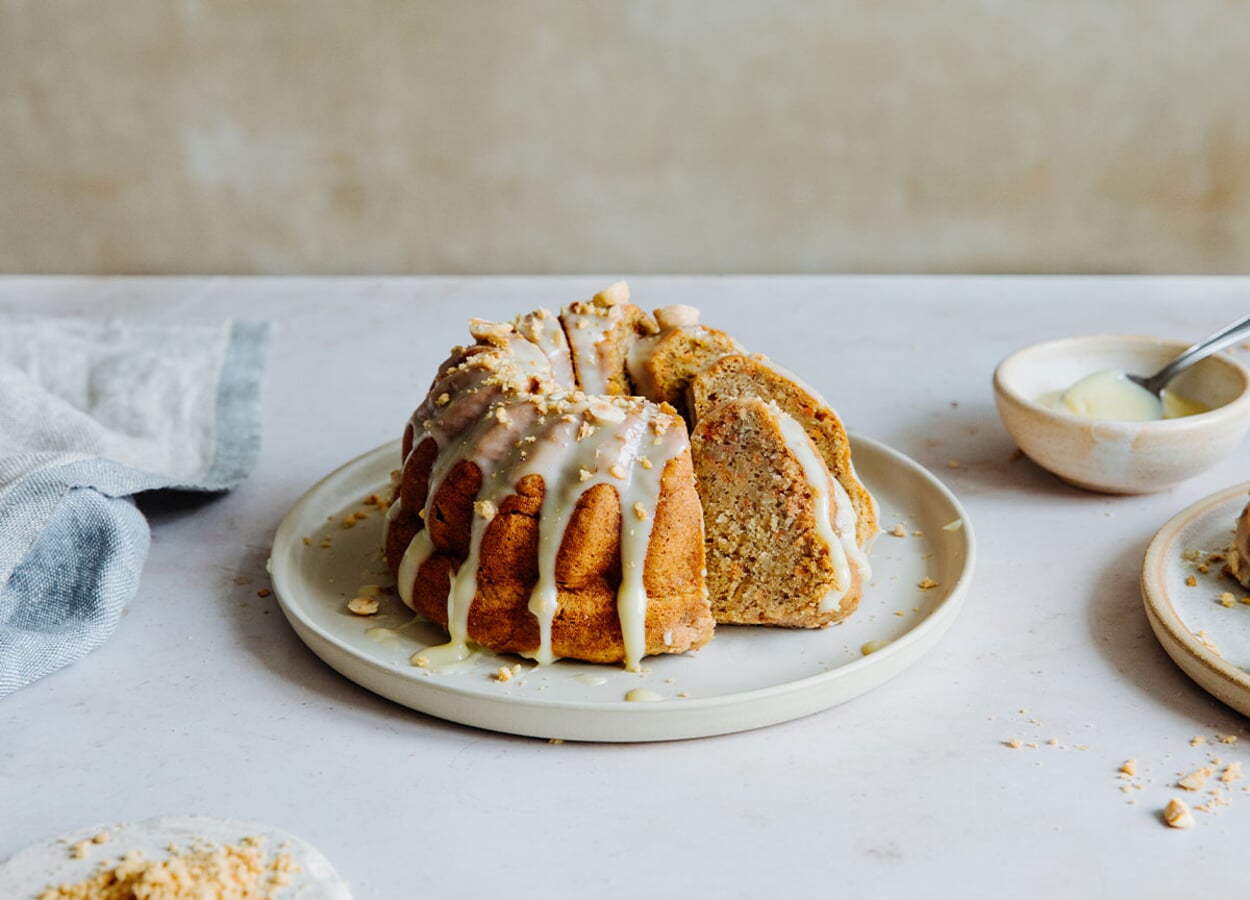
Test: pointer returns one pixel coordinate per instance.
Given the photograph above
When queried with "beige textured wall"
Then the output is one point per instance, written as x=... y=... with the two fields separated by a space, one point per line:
x=561 y=136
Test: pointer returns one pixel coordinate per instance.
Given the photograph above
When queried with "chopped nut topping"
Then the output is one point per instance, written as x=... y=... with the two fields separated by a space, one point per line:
x=1191 y=581
x=507 y=673
x=677 y=316
x=486 y=509
x=363 y=606
x=640 y=511
x=927 y=583
x=584 y=474
x=585 y=430
x=501 y=416
x=1195 y=780
x=899 y=530
x=79 y=850
x=616 y=292
x=617 y=472
x=443 y=399
x=1206 y=641
x=1177 y=814
x=644 y=462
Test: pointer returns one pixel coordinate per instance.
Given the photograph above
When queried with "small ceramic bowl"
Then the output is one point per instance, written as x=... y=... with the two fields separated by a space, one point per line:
x=1118 y=457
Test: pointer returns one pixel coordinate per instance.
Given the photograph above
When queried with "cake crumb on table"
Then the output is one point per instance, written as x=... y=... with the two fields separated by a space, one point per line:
x=899 y=530
x=1129 y=767
x=926 y=583
x=1176 y=814
x=1195 y=780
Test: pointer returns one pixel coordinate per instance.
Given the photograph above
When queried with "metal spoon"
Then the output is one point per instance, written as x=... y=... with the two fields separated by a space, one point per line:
x=1227 y=335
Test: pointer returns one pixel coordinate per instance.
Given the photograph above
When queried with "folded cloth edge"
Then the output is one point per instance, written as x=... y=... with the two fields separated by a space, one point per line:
x=42 y=494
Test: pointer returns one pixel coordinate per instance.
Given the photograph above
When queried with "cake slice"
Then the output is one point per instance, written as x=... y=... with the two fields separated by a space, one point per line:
x=739 y=375
x=779 y=531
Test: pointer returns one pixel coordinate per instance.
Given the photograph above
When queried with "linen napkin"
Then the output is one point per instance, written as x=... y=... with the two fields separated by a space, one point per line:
x=91 y=413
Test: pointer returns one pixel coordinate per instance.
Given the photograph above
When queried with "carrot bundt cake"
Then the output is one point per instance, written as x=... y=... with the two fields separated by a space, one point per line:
x=552 y=501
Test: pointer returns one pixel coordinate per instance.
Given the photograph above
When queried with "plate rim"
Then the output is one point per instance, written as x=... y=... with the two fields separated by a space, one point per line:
x=637 y=721
x=1177 y=640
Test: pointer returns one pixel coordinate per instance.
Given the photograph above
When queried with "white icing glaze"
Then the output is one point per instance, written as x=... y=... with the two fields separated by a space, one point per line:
x=835 y=528
x=586 y=325
x=543 y=329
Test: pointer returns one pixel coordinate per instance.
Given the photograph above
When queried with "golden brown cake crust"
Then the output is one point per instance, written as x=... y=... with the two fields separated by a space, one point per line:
x=588 y=568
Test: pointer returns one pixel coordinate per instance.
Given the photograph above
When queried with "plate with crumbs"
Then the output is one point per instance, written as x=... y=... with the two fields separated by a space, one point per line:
x=327 y=561
x=1200 y=615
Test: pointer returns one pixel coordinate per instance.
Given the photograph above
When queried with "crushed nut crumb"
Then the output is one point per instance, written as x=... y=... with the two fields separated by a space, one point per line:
x=926 y=583
x=1195 y=780
x=1177 y=814
x=363 y=606
x=899 y=530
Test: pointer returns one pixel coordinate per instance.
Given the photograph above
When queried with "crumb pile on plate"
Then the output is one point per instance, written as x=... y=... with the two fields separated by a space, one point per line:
x=172 y=858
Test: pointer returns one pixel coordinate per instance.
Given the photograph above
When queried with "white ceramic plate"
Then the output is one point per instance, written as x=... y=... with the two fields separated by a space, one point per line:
x=51 y=862
x=1210 y=642
x=747 y=677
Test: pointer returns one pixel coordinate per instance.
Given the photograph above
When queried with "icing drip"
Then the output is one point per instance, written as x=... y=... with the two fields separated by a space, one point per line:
x=838 y=532
x=544 y=330
x=587 y=325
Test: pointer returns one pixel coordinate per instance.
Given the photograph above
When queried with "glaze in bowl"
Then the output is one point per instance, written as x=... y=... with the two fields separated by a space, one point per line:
x=1111 y=456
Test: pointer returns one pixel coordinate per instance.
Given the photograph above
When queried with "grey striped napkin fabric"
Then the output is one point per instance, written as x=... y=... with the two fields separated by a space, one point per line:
x=93 y=412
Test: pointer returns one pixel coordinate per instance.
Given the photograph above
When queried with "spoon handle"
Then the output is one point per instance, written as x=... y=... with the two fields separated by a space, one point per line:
x=1229 y=334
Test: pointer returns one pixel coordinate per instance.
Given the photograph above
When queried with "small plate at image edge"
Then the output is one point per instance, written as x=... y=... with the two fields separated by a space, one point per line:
x=1208 y=641
x=747 y=677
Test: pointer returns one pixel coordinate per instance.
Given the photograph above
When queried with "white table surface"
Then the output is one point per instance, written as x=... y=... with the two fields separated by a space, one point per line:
x=205 y=702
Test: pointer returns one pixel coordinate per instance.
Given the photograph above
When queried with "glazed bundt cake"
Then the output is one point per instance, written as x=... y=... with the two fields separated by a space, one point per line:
x=551 y=502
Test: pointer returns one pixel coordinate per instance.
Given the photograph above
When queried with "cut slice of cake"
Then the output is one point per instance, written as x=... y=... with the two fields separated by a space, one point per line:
x=779 y=531
x=739 y=375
